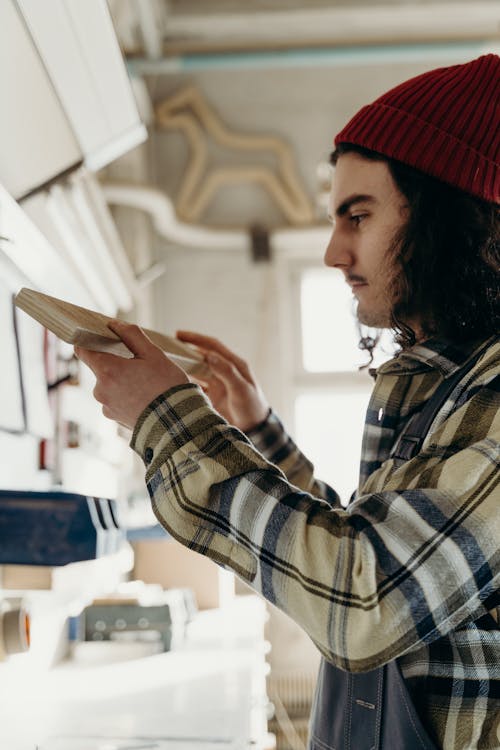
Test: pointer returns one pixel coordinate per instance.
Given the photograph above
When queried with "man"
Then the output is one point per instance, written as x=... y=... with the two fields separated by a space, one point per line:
x=399 y=591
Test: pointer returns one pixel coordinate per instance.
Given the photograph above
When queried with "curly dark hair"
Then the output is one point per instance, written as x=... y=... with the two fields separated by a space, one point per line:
x=446 y=258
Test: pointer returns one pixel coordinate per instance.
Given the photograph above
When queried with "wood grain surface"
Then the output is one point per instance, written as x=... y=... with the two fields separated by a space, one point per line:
x=89 y=329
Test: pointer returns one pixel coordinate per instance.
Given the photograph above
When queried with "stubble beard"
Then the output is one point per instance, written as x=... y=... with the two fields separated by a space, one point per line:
x=377 y=312
x=375 y=316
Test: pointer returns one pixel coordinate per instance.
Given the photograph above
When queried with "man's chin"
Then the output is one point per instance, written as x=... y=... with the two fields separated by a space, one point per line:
x=372 y=318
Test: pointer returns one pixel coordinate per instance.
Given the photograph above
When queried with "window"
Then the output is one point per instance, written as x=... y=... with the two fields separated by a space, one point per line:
x=328 y=426
x=328 y=328
x=328 y=391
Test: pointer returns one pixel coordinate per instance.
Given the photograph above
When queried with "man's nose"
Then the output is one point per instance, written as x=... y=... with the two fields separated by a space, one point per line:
x=337 y=254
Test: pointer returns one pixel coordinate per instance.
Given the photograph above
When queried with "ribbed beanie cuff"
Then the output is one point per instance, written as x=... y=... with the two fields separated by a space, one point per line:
x=444 y=123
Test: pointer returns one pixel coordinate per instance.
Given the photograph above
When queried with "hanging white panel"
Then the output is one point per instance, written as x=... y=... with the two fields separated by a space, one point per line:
x=11 y=396
x=37 y=140
x=77 y=43
x=31 y=260
x=30 y=334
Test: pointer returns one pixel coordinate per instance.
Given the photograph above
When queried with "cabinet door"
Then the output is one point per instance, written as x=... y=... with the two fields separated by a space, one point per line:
x=37 y=140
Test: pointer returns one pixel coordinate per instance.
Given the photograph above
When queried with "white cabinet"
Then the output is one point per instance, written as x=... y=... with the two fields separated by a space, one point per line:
x=37 y=140
x=66 y=97
x=77 y=43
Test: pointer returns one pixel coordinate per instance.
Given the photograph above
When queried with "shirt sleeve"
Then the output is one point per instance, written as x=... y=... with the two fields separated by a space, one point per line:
x=412 y=558
x=271 y=439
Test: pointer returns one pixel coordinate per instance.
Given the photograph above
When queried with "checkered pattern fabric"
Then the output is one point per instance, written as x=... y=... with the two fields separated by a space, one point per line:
x=409 y=571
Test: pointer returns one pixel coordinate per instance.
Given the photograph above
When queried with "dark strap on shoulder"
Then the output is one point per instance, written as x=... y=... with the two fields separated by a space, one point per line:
x=410 y=441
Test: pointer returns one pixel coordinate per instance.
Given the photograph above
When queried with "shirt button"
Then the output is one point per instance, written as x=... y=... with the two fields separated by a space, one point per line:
x=148 y=455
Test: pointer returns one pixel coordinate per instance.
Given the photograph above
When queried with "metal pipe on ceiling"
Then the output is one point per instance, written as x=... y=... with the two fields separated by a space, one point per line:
x=311 y=57
x=159 y=206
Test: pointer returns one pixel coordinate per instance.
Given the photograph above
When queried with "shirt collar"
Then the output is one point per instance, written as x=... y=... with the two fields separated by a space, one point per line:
x=433 y=354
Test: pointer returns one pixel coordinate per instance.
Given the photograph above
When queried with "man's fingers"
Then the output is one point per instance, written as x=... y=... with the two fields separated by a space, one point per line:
x=97 y=361
x=210 y=344
x=133 y=337
x=226 y=371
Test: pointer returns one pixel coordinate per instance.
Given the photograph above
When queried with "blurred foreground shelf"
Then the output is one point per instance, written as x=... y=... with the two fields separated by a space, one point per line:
x=56 y=528
x=209 y=694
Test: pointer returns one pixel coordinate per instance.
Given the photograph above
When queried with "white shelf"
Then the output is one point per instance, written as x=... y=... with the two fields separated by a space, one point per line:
x=209 y=694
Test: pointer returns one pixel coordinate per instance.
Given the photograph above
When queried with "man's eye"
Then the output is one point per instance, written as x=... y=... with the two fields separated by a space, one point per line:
x=356 y=219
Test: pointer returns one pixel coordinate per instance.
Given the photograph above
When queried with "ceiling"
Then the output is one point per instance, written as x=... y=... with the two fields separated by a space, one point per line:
x=156 y=27
x=292 y=70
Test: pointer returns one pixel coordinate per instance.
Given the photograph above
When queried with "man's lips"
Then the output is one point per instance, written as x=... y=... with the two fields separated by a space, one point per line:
x=355 y=281
x=357 y=284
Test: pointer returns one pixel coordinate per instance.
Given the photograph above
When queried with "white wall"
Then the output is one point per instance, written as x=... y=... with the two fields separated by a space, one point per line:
x=226 y=295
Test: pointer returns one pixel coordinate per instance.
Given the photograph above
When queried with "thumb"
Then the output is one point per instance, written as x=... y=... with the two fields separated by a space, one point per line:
x=132 y=336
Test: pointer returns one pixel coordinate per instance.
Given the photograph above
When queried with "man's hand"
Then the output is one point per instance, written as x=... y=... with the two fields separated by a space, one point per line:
x=232 y=389
x=126 y=386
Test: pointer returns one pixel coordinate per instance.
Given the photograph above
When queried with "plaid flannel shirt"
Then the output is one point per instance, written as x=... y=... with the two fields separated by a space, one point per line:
x=410 y=570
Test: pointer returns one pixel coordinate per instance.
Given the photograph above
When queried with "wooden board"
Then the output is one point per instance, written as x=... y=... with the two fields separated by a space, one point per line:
x=89 y=329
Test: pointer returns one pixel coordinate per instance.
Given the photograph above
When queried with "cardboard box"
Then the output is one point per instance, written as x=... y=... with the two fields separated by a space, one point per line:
x=168 y=563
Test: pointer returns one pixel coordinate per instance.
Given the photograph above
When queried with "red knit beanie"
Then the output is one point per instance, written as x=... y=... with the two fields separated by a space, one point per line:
x=445 y=123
